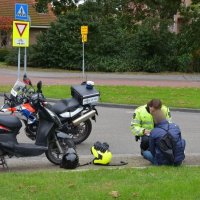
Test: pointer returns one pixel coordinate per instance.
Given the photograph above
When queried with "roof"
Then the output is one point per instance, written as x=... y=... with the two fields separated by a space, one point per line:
x=7 y=9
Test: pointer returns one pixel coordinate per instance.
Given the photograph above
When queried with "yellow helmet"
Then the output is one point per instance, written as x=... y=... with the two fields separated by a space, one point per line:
x=101 y=153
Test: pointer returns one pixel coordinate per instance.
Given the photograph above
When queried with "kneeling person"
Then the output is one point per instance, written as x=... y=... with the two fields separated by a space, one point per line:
x=142 y=121
x=166 y=146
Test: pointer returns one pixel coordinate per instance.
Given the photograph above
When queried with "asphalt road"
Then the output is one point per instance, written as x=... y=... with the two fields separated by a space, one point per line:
x=112 y=126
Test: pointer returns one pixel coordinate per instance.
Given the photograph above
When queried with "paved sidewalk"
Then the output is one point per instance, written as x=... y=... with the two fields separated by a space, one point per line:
x=41 y=163
x=9 y=76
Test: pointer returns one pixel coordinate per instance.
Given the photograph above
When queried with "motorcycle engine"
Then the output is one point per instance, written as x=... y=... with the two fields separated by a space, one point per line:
x=31 y=130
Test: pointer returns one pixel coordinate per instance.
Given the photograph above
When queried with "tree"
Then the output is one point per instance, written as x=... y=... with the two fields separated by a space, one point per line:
x=5 y=29
x=164 y=9
x=105 y=44
x=59 y=7
x=5 y=23
x=153 y=48
x=123 y=36
x=64 y=40
x=188 y=42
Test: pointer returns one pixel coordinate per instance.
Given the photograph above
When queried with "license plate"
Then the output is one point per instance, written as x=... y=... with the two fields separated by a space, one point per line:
x=90 y=100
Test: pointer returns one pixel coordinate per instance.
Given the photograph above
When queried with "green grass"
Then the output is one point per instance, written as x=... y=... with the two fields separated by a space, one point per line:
x=127 y=184
x=135 y=95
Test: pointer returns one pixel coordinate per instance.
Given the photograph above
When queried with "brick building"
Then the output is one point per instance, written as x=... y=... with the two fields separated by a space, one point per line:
x=38 y=21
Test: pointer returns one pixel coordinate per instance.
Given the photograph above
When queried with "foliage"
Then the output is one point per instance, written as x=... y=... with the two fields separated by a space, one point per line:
x=64 y=41
x=12 y=57
x=3 y=53
x=5 y=29
x=188 y=43
x=123 y=36
x=5 y=23
x=152 y=46
x=103 y=43
x=113 y=45
x=59 y=7
x=164 y=9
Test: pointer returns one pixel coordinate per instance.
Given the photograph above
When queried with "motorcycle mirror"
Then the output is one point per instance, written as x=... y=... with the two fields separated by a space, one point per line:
x=39 y=86
x=26 y=80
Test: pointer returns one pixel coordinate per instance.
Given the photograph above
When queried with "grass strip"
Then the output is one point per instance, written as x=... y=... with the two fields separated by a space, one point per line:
x=128 y=183
x=133 y=95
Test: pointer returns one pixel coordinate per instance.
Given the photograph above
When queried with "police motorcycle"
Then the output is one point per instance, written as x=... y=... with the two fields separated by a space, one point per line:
x=75 y=113
x=49 y=139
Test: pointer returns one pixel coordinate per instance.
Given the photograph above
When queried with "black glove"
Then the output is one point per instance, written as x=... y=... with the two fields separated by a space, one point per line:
x=137 y=138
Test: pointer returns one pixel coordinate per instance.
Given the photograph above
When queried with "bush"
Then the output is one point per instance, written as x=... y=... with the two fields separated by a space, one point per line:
x=104 y=51
x=3 y=53
x=153 y=47
x=12 y=57
x=188 y=42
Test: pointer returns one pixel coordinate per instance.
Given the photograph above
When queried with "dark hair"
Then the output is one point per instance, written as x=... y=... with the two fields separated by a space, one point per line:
x=155 y=103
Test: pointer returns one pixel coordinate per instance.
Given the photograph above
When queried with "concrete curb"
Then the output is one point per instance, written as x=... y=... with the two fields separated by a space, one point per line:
x=41 y=163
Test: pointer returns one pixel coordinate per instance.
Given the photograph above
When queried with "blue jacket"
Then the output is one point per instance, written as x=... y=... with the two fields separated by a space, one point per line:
x=157 y=133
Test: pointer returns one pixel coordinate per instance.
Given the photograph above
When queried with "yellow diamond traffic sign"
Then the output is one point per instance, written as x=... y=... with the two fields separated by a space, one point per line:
x=20 y=34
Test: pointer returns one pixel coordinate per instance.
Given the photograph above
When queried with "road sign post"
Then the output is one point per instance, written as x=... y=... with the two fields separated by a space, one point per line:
x=18 y=65
x=25 y=60
x=84 y=32
x=21 y=32
x=83 y=63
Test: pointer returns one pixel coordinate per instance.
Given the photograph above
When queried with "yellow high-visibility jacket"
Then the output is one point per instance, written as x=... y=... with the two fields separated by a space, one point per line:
x=142 y=120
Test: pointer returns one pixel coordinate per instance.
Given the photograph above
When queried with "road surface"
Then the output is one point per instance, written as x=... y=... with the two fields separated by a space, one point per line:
x=112 y=126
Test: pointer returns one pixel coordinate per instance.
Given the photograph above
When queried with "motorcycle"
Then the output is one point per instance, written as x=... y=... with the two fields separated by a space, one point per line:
x=49 y=139
x=75 y=113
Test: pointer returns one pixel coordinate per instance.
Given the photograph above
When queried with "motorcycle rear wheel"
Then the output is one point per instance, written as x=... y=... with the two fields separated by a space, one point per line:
x=82 y=131
x=53 y=154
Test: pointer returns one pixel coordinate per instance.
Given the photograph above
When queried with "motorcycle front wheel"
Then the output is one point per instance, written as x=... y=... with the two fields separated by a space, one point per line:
x=53 y=154
x=82 y=131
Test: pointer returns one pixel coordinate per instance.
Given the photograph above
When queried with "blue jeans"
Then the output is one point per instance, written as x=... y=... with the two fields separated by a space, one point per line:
x=148 y=155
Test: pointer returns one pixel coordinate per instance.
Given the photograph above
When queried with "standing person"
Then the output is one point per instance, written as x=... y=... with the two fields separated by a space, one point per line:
x=166 y=146
x=142 y=121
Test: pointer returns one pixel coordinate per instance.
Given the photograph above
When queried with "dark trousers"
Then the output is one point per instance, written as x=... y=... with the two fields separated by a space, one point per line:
x=144 y=145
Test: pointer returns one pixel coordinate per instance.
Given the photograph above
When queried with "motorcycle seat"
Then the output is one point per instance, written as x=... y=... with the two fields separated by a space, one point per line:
x=65 y=105
x=10 y=121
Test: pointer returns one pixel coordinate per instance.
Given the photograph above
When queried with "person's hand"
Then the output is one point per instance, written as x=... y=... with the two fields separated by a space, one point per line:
x=147 y=132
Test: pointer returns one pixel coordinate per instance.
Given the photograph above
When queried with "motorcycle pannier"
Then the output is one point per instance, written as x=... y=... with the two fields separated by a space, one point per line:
x=84 y=95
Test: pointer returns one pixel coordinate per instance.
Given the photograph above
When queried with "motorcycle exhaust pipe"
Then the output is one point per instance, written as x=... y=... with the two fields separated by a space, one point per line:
x=84 y=117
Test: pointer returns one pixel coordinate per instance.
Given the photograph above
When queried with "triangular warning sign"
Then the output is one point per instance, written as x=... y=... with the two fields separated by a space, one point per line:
x=21 y=28
x=21 y=12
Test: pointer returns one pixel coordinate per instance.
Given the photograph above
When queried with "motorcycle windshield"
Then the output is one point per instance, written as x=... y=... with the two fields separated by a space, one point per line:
x=18 y=88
